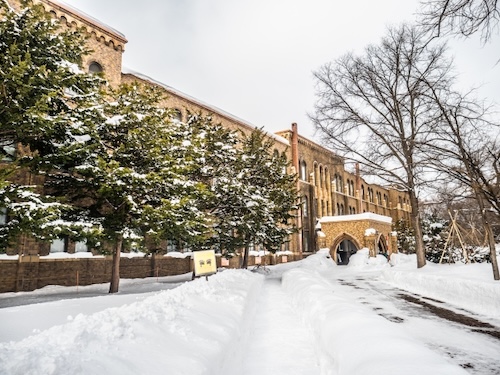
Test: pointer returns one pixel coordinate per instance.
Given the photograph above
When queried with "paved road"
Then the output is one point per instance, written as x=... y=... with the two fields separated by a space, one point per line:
x=438 y=326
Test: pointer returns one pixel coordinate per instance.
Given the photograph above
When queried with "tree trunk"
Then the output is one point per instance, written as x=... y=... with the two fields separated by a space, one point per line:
x=489 y=234
x=417 y=227
x=115 y=271
x=244 y=261
x=493 y=253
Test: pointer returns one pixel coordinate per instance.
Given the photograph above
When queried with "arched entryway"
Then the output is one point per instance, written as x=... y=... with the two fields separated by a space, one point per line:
x=382 y=247
x=343 y=247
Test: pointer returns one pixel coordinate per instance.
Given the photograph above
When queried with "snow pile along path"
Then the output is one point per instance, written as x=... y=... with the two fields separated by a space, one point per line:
x=479 y=293
x=359 y=341
x=187 y=330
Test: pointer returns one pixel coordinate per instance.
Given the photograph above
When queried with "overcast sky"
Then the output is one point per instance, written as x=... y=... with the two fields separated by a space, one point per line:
x=255 y=58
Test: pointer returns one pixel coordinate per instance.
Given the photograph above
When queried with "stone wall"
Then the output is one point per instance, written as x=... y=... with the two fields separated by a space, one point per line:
x=34 y=272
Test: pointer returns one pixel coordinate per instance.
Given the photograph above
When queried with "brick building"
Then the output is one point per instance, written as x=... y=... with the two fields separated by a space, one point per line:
x=327 y=188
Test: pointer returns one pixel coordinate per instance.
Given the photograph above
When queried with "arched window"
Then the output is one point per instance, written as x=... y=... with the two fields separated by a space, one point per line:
x=303 y=171
x=340 y=184
x=320 y=176
x=95 y=67
x=316 y=175
x=177 y=115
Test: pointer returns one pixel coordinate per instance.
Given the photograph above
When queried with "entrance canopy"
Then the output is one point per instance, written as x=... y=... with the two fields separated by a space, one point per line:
x=346 y=234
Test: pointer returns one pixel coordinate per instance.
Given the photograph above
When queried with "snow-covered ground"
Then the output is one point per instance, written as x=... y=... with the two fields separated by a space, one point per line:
x=308 y=317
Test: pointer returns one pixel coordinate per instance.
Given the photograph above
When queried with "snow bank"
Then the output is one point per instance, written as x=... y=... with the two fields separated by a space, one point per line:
x=319 y=261
x=467 y=286
x=362 y=259
x=358 y=341
x=186 y=330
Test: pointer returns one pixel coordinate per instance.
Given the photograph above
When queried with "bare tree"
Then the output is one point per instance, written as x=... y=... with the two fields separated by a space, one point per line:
x=376 y=109
x=466 y=149
x=461 y=17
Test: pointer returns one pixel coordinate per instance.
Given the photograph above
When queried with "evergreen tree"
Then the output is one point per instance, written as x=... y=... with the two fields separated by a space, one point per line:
x=435 y=233
x=256 y=200
x=126 y=176
x=41 y=93
x=406 y=237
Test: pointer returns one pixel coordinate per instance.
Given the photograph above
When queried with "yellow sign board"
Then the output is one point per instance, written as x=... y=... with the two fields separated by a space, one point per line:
x=204 y=263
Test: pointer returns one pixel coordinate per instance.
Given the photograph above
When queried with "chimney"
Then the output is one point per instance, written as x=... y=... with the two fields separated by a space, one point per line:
x=295 y=147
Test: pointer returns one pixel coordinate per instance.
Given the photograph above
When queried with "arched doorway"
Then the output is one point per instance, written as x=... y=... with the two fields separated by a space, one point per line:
x=382 y=247
x=342 y=249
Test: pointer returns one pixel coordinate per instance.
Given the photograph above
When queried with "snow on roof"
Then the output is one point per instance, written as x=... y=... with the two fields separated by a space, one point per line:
x=363 y=216
x=85 y=17
x=209 y=107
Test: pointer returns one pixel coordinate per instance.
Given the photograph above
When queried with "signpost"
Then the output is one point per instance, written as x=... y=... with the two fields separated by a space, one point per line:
x=204 y=263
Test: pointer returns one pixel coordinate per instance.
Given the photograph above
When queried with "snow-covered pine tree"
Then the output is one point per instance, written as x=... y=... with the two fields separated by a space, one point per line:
x=125 y=174
x=212 y=153
x=435 y=232
x=256 y=202
x=40 y=88
x=406 y=237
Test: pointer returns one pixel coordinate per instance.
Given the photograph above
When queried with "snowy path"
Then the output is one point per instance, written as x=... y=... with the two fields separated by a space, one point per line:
x=276 y=341
x=474 y=351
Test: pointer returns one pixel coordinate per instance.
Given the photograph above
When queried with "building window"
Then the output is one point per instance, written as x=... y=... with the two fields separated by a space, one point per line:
x=350 y=186
x=316 y=175
x=303 y=171
x=305 y=207
x=95 y=67
x=7 y=149
x=3 y=215
x=176 y=115
x=339 y=183
x=58 y=245
x=171 y=246
x=81 y=247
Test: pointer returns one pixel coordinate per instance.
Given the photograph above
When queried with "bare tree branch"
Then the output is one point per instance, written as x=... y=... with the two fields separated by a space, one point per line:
x=461 y=17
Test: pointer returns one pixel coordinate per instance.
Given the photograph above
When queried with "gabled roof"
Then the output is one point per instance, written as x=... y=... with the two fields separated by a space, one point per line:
x=87 y=19
x=208 y=107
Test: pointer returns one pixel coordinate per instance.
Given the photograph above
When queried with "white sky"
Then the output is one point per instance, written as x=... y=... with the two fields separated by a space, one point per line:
x=255 y=58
